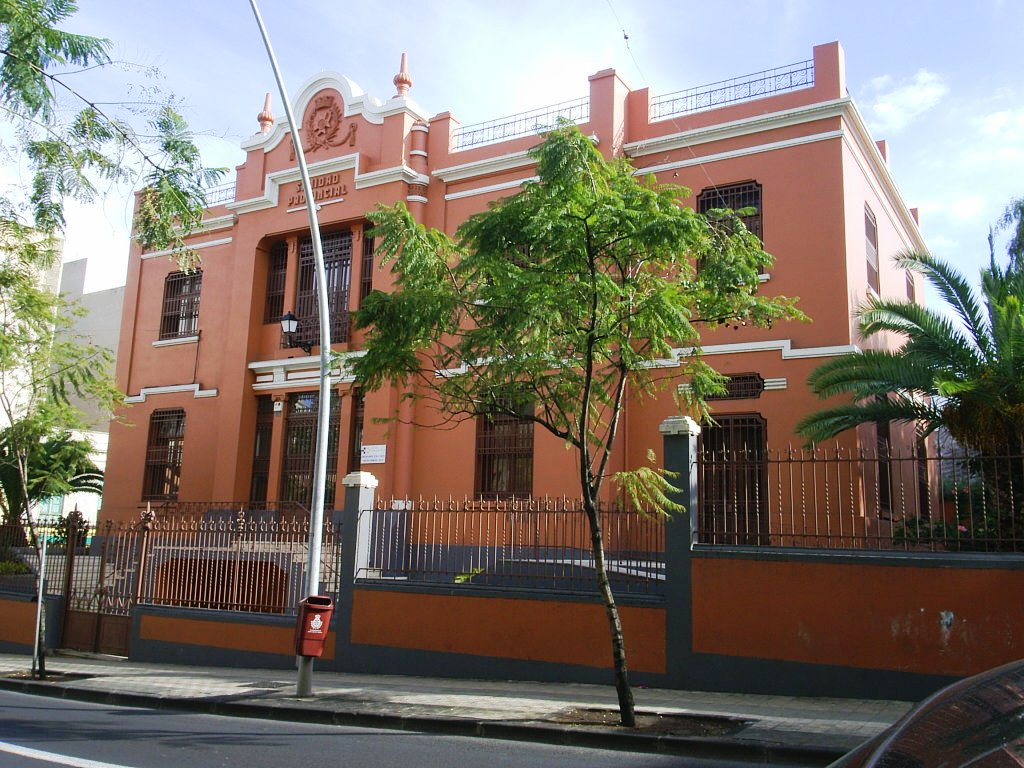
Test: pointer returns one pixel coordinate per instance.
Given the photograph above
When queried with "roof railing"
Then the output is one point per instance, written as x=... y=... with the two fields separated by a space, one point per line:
x=224 y=193
x=792 y=77
x=522 y=124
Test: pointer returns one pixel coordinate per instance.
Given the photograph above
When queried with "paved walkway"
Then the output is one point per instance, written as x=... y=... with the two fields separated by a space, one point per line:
x=778 y=728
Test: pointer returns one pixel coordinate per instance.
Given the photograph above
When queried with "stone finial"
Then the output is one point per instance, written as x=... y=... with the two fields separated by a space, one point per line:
x=265 y=117
x=402 y=81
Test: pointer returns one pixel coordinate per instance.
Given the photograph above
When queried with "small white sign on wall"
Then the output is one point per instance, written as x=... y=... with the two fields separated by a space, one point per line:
x=373 y=454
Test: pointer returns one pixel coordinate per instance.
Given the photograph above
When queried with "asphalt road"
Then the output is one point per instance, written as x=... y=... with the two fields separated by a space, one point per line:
x=37 y=731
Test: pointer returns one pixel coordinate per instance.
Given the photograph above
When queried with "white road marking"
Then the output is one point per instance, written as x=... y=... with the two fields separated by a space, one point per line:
x=56 y=759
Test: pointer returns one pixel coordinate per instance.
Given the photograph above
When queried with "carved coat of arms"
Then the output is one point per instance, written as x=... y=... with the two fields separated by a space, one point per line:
x=322 y=127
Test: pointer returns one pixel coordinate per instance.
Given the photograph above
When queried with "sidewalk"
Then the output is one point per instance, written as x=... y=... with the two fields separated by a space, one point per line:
x=772 y=728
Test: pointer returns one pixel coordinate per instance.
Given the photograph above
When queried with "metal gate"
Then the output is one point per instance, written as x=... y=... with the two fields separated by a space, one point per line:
x=101 y=587
x=733 y=481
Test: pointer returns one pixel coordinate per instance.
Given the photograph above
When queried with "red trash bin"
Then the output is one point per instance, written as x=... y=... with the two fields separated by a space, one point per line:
x=314 y=619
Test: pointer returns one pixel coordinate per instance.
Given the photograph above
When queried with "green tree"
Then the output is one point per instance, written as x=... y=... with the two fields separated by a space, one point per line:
x=55 y=465
x=72 y=145
x=562 y=297
x=960 y=366
x=43 y=363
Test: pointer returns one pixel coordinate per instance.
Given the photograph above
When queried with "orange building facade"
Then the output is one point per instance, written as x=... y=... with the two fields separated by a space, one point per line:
x=223 y=402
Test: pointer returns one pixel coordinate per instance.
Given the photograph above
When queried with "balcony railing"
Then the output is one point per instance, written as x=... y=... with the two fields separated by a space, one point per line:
x=755 y=86
x=522 y=124
x=225 y=193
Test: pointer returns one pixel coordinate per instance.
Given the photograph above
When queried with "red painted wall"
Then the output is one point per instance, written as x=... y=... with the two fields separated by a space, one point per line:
x=947 y=621
x=532 y=630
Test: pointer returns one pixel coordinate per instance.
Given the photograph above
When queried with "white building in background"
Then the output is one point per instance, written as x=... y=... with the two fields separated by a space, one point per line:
x=101 y=325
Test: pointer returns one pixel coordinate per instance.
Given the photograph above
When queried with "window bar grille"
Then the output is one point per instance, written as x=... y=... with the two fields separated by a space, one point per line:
x=164 y=449
x=366 y=267
x=277 y=270
x=180 y=314
x=735 y=197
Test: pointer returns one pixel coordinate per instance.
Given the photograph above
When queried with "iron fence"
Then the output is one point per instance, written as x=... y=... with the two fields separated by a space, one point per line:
x=534 y=121
x=754 y=86
x=264 y=511
x=224 y=193
x=840 y=499
x=513 y=543
x=237 y=563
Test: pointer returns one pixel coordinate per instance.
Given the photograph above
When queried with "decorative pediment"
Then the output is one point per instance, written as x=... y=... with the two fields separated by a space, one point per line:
x=352 y=105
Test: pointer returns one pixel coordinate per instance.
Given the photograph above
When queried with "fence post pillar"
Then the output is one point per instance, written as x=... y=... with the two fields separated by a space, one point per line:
x=75 y=530
x=679 y=436
x=356 y=528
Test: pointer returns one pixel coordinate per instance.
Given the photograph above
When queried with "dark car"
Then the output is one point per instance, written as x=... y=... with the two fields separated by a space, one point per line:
x=977 y=722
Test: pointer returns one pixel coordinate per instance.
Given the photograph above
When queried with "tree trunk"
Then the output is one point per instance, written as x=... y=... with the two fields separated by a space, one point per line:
x=26 y=510
x=622 y=688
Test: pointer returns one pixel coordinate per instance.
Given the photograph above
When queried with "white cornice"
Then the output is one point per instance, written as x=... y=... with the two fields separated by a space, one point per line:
x=176 y=341
x=741 y=152
x=275 y=180
x=389 y=175
x=484 y=167
x=734 y=128
x=879 y=169
x=784 y=346
x=854 y=129
x=490 y=188
x=192 y=246
x=170 y=390
x=215 y=223
x=300 y=372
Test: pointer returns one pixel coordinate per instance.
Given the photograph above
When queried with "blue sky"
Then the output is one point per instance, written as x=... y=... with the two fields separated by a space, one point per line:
x=940 y=80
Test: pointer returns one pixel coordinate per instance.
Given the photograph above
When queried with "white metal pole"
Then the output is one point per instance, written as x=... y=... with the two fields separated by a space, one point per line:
x=316 y=513
x=40 y=594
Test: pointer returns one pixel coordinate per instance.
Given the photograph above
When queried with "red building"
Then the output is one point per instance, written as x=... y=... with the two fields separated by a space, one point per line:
x=223 y=403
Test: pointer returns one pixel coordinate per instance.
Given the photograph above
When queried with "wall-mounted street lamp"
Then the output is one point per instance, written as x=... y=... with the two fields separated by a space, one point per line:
x=289 y=327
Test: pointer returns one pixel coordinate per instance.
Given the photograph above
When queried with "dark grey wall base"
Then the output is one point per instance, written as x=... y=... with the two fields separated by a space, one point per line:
x=402 y=661
x=708 y=672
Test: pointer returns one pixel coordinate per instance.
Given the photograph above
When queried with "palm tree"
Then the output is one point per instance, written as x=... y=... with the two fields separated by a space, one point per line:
x=56 y=465
x=961 y=367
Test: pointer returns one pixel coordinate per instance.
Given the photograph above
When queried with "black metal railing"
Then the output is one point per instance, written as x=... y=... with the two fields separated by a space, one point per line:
x=840 y=499
x=521 y=124
x=754 y=86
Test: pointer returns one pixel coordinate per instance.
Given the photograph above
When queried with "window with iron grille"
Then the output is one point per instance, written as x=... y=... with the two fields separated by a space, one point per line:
x=871 y=246
x=261 y=448
x=504 y=453
x=180 y=317
x=337 y=248
x=735 y=197
x=741 y=386
x=164 y=448
x=355 y=440
x=733 y=480
x=911 y=292
x=277 y=271
x=366 y=267
x=300 y=447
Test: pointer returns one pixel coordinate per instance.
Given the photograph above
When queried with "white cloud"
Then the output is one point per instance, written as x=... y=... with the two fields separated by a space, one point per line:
x=896 y=104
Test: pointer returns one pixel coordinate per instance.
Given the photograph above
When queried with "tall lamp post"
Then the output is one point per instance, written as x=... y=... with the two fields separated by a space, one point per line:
x=304 y=685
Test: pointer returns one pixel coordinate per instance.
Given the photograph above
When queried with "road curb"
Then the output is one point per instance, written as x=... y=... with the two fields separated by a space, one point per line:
x=594 y=737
